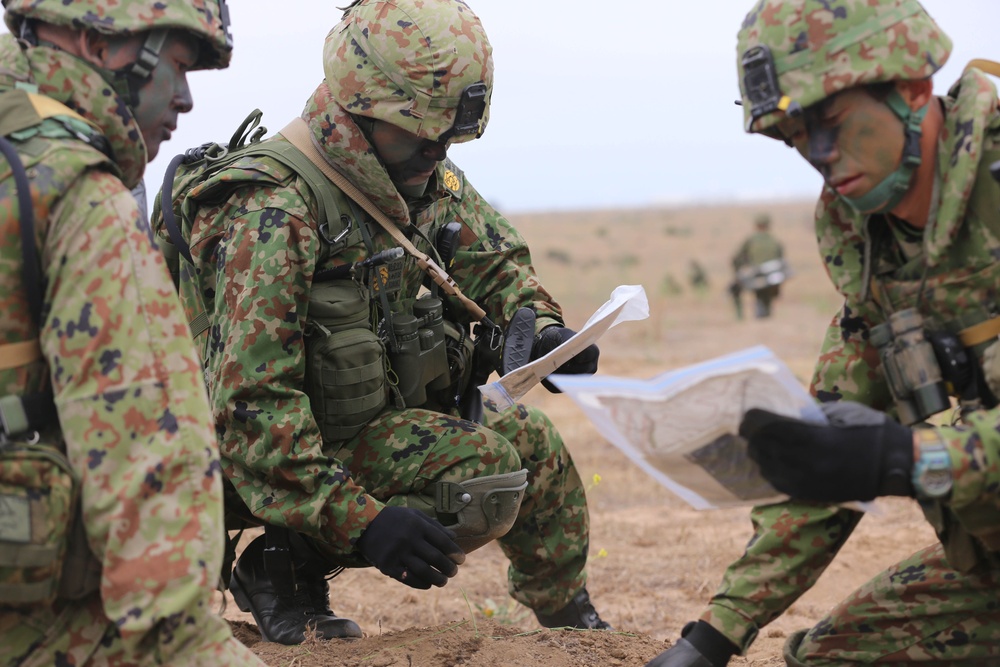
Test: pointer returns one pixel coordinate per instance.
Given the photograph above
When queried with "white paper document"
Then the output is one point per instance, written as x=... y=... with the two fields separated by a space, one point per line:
x=682 y=426
x=627 y=302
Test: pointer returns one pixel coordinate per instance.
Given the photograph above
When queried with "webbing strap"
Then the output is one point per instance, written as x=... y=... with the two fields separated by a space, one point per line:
x=27 y=555
x=199 y=324
x=980 y=333
x=31 y=272
x=297 y=133
x=988 y=66
x=26 y=592
x=14 y=355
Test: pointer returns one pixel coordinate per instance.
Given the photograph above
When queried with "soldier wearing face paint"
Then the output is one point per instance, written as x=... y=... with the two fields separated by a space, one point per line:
x=111 y=505
x=340 y=432
x=908 y=225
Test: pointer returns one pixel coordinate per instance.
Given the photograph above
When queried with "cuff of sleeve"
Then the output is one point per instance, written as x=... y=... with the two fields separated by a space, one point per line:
x=544 y=322
x=733 y=625
x=971 y=462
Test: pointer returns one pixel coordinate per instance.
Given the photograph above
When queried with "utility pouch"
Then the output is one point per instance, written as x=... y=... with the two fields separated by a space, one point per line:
x=459 y=348
x=345 y=360
x=39 y=493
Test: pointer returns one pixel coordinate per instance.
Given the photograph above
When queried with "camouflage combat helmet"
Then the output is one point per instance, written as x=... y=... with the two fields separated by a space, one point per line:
x=206 y=19
x=425 y=66
x=794 y=53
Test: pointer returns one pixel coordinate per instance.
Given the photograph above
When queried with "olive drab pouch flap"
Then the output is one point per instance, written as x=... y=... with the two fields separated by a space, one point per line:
x=345 y=360
x=38 y=505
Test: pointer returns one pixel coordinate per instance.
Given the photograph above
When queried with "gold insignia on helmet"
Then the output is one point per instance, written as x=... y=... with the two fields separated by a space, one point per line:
x=451 y=180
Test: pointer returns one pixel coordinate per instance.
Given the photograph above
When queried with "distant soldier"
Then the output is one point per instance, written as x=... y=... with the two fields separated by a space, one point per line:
x=759 y=267
x=697 y=276
x=111 y=509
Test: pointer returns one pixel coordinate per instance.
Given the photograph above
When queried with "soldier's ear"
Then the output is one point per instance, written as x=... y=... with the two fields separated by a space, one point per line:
x=93 y=47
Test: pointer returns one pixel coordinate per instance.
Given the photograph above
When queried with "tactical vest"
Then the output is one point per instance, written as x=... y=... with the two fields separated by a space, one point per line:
x=43 y=548
x=354 y=368
x=961 y=297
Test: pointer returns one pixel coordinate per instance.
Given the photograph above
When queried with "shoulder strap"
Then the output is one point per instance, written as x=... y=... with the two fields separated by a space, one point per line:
x=988 y=66
x=18 y=414
x=297 y=133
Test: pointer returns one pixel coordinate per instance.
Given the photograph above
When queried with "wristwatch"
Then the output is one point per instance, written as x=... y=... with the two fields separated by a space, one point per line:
x=932 y=469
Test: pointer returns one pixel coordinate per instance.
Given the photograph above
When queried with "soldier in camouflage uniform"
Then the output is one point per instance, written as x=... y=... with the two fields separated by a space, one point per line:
x=272 y=267
x=756 y=270
x=909 y=229
x=97 y=370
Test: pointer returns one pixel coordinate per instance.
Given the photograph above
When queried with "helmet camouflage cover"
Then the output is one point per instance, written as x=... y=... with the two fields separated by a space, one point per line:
x=425 y=66
x=206 y=19
x=794 y=53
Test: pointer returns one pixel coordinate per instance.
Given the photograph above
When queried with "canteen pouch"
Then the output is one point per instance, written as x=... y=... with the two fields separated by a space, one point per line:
x=39 y=494
x=345 y=360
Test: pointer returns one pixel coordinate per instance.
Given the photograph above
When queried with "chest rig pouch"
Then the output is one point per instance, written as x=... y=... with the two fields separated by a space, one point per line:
x=345 y=360
x=43 y=549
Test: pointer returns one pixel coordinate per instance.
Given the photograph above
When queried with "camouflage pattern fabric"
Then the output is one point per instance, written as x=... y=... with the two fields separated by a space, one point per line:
x=254 y=236
x=916 y=612
x=794 y=542
x=132 y=407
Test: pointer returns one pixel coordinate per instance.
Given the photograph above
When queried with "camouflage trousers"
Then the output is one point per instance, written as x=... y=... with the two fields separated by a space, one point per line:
x=401 y=455
x=80 y=634
x=792 y=545
x=918 y=612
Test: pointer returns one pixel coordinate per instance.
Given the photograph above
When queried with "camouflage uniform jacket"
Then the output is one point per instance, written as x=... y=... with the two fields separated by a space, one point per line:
x=758 y=248
x=255 y=241
x=126 y=383
x=959 y=249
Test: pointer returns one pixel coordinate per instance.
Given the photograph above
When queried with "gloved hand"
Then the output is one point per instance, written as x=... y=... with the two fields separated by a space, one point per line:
x=859 y=455
x=700 y=645
x=584 y=363
x=411 y=547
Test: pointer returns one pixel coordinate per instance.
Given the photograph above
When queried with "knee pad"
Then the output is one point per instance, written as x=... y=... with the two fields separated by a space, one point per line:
x=482 y=509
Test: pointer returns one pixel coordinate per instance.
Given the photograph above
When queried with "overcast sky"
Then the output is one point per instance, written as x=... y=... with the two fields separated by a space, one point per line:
x=596 y=104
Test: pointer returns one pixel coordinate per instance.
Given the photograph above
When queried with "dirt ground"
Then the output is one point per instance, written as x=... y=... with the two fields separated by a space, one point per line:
x=654 y=560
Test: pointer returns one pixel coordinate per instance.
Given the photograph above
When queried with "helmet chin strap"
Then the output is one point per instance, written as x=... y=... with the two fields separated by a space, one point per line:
x=129 y=79
x=890 y=191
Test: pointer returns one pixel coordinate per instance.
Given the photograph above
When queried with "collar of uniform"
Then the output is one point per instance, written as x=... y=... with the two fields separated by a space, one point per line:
x=73 y=82
x=349 y=152
x=970 y=110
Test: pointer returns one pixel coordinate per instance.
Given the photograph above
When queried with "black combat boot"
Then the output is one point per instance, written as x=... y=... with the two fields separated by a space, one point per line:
x=579 y=613
x=284 y=613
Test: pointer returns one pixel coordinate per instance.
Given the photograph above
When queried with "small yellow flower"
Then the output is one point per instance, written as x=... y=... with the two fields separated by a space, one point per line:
x=597 y=479
x=603 y=553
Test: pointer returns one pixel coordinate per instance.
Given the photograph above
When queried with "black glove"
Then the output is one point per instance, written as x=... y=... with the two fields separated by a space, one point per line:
x=700 y=645
x=411 y=547
x=859 y=455
x=584 y=363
